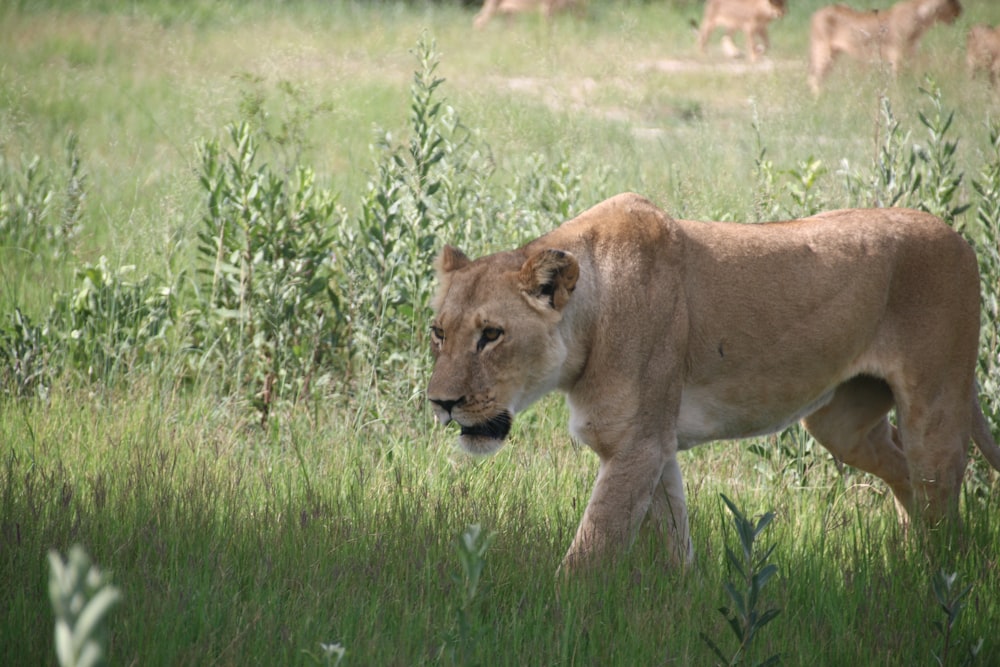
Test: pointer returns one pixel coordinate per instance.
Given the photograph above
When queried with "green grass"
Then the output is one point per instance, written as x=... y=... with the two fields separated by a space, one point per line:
x=233 y=546
x=236 y=545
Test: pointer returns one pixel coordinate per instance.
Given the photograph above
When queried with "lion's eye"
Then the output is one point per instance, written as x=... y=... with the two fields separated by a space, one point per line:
x=489 y=335
x=492 y=333
x=437 y=334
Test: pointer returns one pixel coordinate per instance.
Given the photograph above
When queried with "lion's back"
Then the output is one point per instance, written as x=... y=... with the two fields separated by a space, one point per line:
x=740 y=13
x=843 y=27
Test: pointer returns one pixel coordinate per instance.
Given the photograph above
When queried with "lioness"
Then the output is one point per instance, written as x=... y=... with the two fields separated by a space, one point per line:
x=890 y=35
x=511 y=7
x=982 y=51
x=668 y=333
x=750 y=16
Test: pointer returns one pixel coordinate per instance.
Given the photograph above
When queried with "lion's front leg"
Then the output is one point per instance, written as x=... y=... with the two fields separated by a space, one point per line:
x=668 y=516
x=621 y=498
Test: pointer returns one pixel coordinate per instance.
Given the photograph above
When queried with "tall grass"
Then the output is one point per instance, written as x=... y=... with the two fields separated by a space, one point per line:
x=327 y=530
x=231 y=545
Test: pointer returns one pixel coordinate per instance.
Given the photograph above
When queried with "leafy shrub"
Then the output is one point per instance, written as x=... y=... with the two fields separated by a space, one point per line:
x=893 y=175
x=269 y=314
x=941 y=180
x=906 y=172
x=423 y=192
x=110 y=323
x=103 y=328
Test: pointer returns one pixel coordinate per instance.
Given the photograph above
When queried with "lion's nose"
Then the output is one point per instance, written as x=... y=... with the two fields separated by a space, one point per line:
x=445 y=404
x=444 y=407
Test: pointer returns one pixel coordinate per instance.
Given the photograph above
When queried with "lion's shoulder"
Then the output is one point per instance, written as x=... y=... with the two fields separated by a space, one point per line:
x=627 y=219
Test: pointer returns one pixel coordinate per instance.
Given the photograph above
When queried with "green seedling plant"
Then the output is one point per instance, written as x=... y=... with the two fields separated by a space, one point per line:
x=471 y=547
x=765 y=200
x=799 y=184
x=802 y=189
x=952 y=599
x=331 y=654
x=81 y=597
x=744 y=615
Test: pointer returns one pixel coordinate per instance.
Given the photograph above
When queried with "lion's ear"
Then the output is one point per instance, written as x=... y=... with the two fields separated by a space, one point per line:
x=550 y=275
x=451 y=259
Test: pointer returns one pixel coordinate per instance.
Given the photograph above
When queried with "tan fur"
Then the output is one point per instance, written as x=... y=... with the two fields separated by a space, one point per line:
x=668 y=333
x=982 y=51
x=749 y=16
x=511 y=7
x=889 y=36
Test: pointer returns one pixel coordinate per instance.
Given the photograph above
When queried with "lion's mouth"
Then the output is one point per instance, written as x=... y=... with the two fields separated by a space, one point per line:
x=495 y=428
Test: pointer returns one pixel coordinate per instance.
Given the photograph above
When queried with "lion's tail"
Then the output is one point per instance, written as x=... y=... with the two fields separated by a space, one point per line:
x=983 y=438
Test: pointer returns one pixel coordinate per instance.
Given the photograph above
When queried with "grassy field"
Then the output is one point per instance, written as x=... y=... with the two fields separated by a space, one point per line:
x=239 y=535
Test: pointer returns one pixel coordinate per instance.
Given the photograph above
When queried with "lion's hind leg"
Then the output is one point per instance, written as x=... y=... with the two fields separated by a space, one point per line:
x=854 y=426
x=935 y=427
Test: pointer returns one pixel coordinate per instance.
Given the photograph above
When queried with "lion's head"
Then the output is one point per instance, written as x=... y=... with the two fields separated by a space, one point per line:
x=495 y=338
x=946 y=11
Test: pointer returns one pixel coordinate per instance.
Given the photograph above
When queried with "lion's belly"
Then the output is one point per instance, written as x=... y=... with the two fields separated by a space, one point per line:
x=704 y=416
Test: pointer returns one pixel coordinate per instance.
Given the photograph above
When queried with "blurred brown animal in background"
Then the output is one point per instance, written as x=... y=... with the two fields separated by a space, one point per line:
x=511 y=7
x=982 y=51
x=890 y=35
x=750 y=16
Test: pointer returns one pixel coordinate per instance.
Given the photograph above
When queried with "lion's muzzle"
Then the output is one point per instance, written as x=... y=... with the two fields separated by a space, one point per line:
x=480 y=437
x=486 y=437
x=495 y=428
